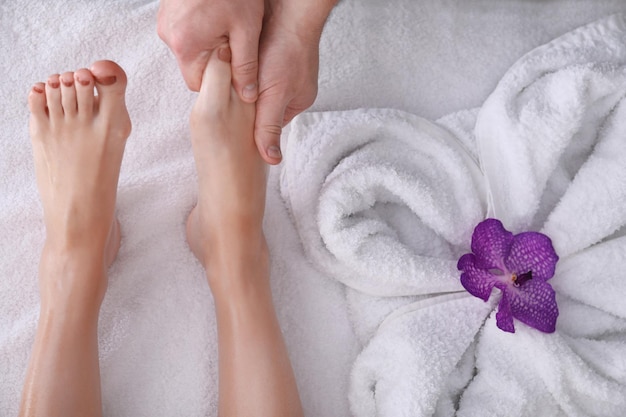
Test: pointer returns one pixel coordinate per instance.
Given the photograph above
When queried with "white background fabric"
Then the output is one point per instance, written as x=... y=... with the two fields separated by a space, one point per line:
x=157 y=329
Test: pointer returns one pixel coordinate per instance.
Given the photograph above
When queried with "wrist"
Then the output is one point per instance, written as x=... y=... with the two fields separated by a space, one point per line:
x=304 y=18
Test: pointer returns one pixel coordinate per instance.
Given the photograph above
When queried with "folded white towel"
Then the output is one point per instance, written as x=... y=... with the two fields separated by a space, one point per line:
x=157 y=329
x=352 y=178
x=386 y=202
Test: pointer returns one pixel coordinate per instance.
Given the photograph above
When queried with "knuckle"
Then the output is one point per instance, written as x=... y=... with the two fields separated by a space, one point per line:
x=163 y=26
x=176 y=37
x=246 y=68
x=162 y=32
x=271 y=131
x=176 y=41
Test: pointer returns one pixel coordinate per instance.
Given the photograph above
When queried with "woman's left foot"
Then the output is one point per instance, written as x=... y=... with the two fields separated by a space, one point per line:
x=78 y=143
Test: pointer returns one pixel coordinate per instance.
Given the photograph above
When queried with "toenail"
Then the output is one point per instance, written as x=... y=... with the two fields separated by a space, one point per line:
x=67 y=83
x=53 y=84
x=274 y=152
x=249 y=91
x=37 y=90
x=106 y=80
x=82 y=81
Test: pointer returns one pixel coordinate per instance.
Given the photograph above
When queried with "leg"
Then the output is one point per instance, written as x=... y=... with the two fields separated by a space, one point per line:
x=78 y=142
x=225 y=233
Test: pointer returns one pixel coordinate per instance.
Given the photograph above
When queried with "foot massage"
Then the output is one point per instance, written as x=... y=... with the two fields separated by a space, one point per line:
x=313 y=208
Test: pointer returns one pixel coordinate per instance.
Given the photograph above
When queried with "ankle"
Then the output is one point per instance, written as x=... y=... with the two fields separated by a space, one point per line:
x=58 y=256
x=235 y=268
x=218 y=244
x=68 y=246
x=72 y=279
x=59 y=314
x=58 y=253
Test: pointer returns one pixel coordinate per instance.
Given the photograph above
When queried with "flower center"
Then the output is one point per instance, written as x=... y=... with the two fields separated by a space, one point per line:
x=520 y=279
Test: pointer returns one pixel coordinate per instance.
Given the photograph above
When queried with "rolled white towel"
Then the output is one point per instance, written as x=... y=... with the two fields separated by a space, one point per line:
x=386 y=203
x=365 y=189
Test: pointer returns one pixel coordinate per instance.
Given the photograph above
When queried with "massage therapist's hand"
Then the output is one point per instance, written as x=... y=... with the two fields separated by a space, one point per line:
x=193 y=28
x=289 y=62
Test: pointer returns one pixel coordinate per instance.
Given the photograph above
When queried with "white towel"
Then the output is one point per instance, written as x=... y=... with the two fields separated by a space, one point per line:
x=158 y=342
x=386 y=203
x=371 y=170
x=157 y=338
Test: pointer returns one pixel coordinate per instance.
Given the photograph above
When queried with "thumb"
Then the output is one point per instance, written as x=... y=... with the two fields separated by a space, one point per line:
x=268 y=126
x=245 y=64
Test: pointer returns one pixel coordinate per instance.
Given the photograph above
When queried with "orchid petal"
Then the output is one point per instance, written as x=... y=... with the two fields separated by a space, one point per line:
x=476 y=281
x=491 y=244
x=504 y=316
x=532 y=251
x=534 y=303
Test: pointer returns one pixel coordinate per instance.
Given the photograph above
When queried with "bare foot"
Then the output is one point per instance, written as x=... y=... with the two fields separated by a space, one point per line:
x=78 y=142
x=226 y=224
x=225 y=233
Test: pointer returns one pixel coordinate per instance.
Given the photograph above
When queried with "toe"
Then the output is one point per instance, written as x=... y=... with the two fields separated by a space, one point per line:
x=110 y=83
x=68 y=94
x=53 y=97
x=84 y=82
x=216 y=81
x=37 y=100
x=38 y=109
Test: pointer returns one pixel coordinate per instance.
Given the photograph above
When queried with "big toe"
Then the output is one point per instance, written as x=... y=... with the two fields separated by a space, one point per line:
x=37 y=100
x=38 y=109
x=216 y=88
x=110 y=83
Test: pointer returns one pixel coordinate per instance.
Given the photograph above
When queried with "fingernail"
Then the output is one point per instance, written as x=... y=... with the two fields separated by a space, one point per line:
x=274 y=152
x=224 y=54
x=106 y=80
x=53 y=84
x=249 y=92
x=67 y=83
x=37 y=90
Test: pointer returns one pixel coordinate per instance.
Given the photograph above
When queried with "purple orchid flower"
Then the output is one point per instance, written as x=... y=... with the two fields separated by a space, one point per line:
x=519 y=266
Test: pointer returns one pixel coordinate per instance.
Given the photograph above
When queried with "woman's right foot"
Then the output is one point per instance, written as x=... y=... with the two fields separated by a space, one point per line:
x=225 y=227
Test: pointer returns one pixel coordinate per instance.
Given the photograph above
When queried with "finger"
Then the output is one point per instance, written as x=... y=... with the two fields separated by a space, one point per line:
x=270 y=112
x=192 y=69
x=245 y=64
x=182 y=40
